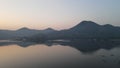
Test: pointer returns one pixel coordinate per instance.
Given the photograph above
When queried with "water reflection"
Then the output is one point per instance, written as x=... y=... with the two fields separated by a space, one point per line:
x=85 y=46
x=57 y=54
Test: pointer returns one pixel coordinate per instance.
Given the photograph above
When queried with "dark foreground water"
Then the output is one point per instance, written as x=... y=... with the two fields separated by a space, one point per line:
x=64 y=55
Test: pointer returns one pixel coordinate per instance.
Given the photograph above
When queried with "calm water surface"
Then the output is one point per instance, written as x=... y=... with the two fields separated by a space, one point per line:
x=56 y=56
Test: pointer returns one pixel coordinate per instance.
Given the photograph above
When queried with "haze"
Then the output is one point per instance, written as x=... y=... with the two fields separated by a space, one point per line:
x=57 y=14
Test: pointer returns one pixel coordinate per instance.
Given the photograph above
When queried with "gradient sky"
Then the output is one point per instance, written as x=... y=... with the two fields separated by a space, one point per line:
x=58 y=14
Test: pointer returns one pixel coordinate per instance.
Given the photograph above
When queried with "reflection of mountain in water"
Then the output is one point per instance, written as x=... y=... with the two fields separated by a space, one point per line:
x=22 y=44
x=83 y=45
x=88 y=46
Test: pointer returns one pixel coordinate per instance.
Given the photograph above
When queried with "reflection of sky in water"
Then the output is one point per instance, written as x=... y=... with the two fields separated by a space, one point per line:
x=56 y=57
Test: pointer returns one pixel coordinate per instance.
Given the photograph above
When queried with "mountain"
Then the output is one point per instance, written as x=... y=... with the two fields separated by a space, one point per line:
x=48 y=30
x=91 y=29
x=85 y=25
x=23 y=32
x=23 y=29
x=85 y=29
x=26 y=32
x=5 y=34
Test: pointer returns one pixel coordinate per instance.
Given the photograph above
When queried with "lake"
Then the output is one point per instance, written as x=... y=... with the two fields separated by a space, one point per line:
x=59 y=55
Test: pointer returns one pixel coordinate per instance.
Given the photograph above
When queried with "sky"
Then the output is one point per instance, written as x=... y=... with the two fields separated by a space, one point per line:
x=57 y=14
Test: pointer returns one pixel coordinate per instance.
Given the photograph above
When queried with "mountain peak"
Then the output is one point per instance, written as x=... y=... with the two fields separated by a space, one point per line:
x=49 y=29
x=88 y=23
x=108 y=25
x=24 y=28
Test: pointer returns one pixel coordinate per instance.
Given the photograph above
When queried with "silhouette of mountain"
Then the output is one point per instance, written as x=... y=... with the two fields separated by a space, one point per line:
x=24 y=28
x=25 y=32
x=85 y=29
x=5 y=34
x=86 y=33
x=48 y=30
x=22 y=32
x=85 y=25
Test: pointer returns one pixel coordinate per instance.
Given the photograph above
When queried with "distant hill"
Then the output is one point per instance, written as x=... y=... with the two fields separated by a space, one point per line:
x=5 y=34
x=88 y=29
x=85 y=29
x=22 y=32
x=91 y=29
